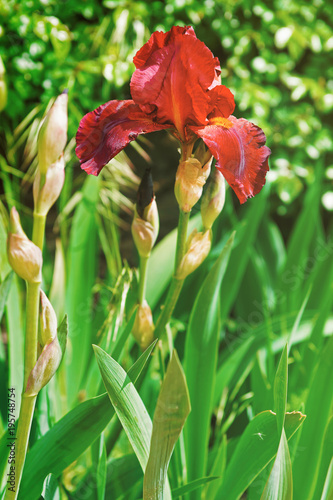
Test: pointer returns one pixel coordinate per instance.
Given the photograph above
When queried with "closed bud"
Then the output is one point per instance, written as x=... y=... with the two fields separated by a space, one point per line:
x=198 y=247
x=143 y=328
x=3 y=86
x=46 y=195
x=52 y=135
x=213 y=199
x=24 y=256
x=47 y=321
x=48 y=362
x=145 y=223
x=190 y=179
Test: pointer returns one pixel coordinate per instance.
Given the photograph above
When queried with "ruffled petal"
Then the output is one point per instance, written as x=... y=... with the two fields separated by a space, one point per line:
x=174 y=73
x=239 y=148
x=104 y=132
x=222 y=102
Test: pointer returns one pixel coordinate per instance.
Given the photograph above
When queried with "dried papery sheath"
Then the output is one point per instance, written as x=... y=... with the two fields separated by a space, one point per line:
x=198 y=247
x=213 y=199
x=52 y=135
x=46 y=195
x=190 y=180
x=23 y=255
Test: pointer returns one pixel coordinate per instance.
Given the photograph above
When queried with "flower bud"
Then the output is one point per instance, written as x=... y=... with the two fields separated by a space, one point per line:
x=52 y=135
x=47 y=331
x=145 y=223
x=198 y=247
x=190 y=179
x=213 y=199
x=24 y=256
x=3 y=86
x=48 y=361
x=143 y=328
x=45 y=196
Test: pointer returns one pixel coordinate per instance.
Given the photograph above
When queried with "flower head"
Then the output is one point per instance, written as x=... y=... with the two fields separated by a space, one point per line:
x=177 y=86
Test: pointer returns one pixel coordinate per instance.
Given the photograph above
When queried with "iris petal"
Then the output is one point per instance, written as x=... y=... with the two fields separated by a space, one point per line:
x=104 y=132
x=174 y=74
x=239 y=148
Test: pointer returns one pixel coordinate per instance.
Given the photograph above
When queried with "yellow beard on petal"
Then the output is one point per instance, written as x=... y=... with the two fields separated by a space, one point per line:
x=219 y=120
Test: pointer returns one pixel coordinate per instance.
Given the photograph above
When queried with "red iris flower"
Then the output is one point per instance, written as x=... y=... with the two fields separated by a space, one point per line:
x=177 y=86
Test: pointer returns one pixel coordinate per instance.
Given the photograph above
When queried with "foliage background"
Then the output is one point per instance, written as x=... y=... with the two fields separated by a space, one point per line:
x=275 y=57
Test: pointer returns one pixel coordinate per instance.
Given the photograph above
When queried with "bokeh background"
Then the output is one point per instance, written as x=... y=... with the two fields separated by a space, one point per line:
x=276 y=57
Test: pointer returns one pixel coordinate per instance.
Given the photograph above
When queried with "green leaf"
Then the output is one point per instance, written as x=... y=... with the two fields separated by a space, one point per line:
x=280 y=389
x=69 y=437
x=172 y=409
x=101 y=469
x=279 y=485
x=328 y=486
x=82 y=265
x=192 y=486
x=64 y=443
x=257 y=446
x=318 y=408
x=200 y=364
x=50 y=488
x=127 y=404
x=246 y=232
x=4 y=291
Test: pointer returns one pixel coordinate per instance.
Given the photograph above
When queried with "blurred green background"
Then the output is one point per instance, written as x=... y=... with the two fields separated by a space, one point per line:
x=276 y=57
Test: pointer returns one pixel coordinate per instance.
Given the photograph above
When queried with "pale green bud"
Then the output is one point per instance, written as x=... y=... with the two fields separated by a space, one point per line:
x=143 y=328
x=213 y=199
x=198 y=247
x=23 y=255
x=48 y=362
x=190 y=179
x=145 y=230
x=46 y=195
x=47 y=321
x=52 y=135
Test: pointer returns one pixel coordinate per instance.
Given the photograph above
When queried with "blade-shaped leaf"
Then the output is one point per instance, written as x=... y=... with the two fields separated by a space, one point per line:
x=172 y=409
x=200 y=365
x=50 y=488
x=69 y=437
x=279 y=485
x=4 y=291
x=328 y=486
x=257 y=446
x=318 y=408
x=280 y=389
x=83 y=251
x=193 y=485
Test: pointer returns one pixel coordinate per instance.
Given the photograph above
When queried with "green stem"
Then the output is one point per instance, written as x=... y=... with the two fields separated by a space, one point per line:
x=28 y=403
x=176 y=284
x=184 y=218
x=170 y=303
x=142 y=279
x=30 y=359
x=38 y=230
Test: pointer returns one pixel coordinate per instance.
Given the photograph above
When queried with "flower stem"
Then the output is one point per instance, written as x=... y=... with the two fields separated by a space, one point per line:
x=176 y=284
x=38 y=230
x=142 y=279
x=30 y=359
x=28 y=403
